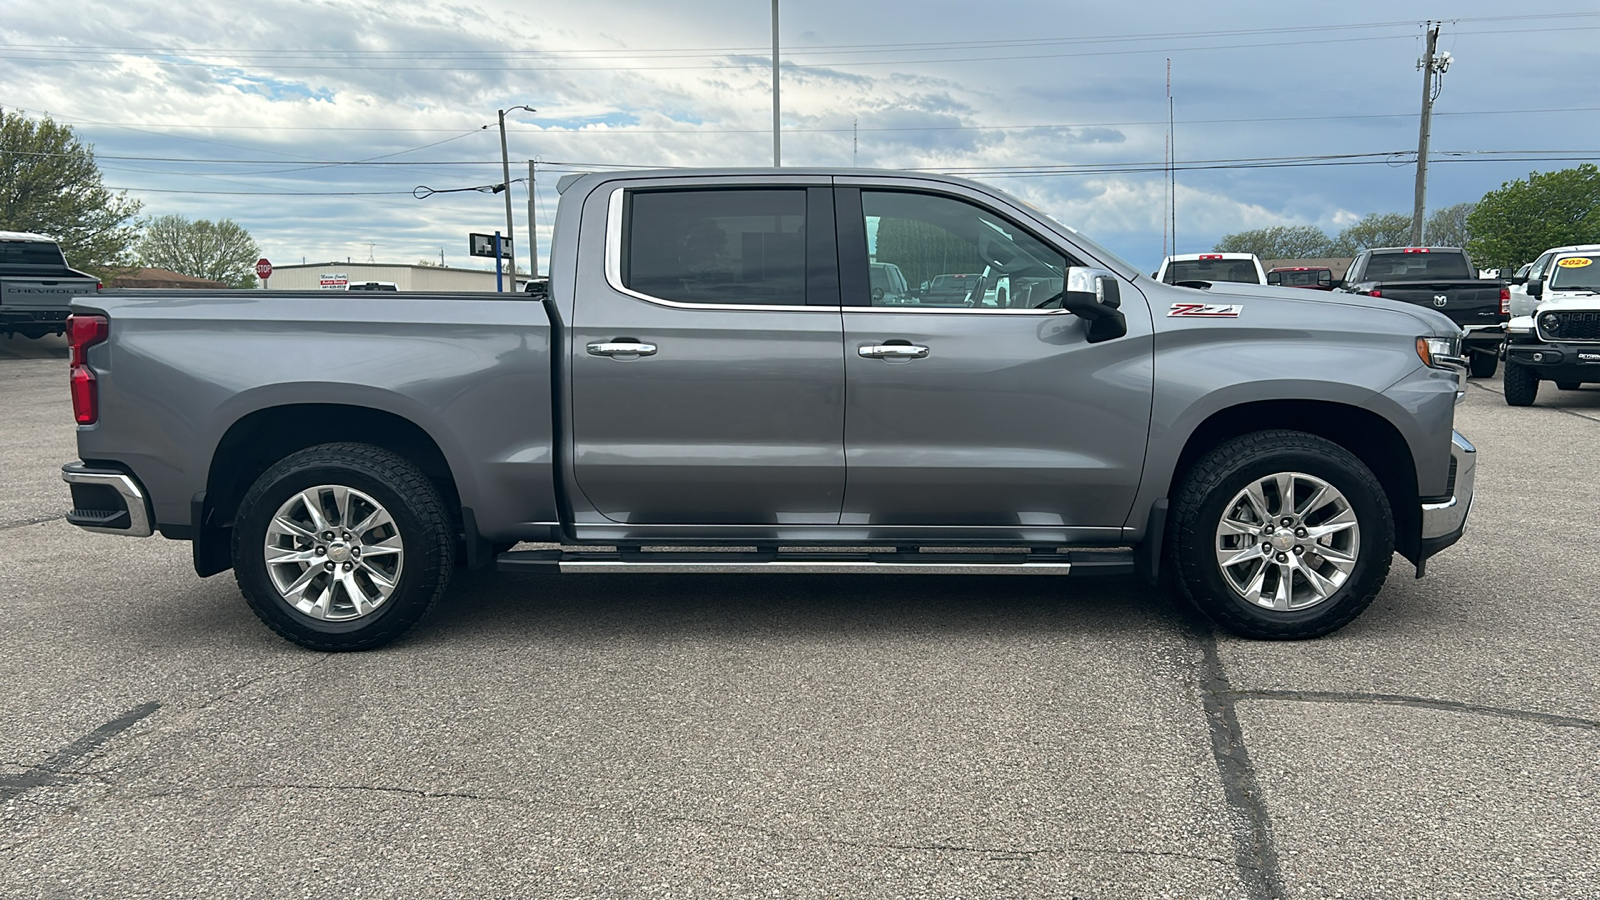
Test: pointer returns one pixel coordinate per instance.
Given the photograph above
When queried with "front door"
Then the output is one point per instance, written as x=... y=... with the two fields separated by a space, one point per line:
x=983 y=409
x=706 y=389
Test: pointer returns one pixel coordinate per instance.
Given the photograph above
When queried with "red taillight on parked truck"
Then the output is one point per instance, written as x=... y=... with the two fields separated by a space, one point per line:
x=1505 y=301
x=84 y=332
x=1375 y=292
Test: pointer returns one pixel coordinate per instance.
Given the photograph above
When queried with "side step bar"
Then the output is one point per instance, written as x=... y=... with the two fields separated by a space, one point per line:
x=533 y=562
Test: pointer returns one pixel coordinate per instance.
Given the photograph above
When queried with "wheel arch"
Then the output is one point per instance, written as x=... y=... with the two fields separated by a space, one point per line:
x=1369 y=436
x=264 y=436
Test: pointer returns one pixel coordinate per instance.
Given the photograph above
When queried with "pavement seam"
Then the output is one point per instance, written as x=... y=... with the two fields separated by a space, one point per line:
x=54 y=769
x=1255 y=856
x=1420 y=703
x=1558 y=409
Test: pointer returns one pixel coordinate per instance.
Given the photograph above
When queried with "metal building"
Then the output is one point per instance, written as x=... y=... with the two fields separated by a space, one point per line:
x=334 y=276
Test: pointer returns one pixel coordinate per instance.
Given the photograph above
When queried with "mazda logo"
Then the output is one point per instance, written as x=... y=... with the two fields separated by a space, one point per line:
x=1440 y=300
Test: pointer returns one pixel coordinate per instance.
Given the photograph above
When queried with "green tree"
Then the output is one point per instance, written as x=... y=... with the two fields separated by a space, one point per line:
x=1278 y=242
x=1375 y=230
x=50 y=184
x=1448 y=227
x=1522 y=219
x=221 y=251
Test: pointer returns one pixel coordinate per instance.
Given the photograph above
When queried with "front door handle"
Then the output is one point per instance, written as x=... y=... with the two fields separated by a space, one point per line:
x=892 y=351
x=621 y=347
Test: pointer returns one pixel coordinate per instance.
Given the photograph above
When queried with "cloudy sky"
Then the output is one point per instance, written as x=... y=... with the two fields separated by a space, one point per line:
x=312 y=123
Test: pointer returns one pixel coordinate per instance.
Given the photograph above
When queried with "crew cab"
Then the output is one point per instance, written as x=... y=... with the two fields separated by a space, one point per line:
x=713 y=383
x=37 y=286
x=1559 y=340
x=1445 y=279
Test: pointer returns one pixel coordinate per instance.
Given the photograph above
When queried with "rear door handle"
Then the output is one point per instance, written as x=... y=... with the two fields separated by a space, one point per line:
x=621 y=348
x=892 y=351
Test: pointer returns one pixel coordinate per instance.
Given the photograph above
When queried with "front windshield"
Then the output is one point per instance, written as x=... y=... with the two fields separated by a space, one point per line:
x=1575 y=273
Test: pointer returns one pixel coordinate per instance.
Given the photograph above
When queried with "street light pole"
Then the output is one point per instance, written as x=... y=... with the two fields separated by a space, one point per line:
x=777 y=142
x=505 y=173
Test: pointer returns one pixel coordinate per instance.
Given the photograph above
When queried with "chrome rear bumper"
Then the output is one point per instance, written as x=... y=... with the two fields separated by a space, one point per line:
x=107 y=501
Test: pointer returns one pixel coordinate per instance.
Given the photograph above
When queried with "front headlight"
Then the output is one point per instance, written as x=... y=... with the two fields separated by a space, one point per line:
x=1440 y=352
x=1551 y=323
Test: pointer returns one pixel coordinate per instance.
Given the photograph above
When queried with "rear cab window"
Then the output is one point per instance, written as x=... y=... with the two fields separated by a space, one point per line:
x=722 y=247
x=1418 y=265
x=1239 y=271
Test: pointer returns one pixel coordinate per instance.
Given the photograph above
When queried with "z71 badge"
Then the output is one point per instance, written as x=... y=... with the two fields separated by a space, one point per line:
x=1206 y=310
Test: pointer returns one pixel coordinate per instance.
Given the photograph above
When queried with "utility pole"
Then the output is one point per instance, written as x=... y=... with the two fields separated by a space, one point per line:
x=777 y=142
x=1433 y=69
x=533 y=229
x=505 y=186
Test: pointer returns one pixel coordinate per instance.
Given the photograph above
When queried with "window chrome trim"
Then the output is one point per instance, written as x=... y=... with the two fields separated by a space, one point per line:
x=613 y=267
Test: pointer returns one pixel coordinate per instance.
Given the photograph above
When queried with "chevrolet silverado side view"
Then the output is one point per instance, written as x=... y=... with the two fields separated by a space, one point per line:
x=712 y=383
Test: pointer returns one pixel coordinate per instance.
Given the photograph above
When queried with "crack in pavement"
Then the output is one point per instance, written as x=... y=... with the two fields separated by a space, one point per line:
x=1255 y=856
x=1002 y=852
x=1420 y=703
x=37 y=520
x=54 y=769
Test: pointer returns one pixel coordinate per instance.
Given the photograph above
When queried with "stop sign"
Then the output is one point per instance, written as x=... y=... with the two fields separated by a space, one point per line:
x=263 y=269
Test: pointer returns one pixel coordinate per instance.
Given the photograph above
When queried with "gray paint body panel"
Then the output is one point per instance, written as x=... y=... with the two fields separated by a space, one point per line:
x=179 y=371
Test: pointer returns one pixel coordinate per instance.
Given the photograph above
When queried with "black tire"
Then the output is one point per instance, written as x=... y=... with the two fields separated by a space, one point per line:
x=1484 y=364
x=1569 y=385
x=1521 y=383
x=1206 y=496
x=419 y=519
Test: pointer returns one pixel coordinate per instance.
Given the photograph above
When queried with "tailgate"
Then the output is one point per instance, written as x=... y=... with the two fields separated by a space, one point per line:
x=42 y=293
x=1470 y=304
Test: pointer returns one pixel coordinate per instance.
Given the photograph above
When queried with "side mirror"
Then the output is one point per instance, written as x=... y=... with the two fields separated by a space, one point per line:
x=1535 y=288
x=1095 y=296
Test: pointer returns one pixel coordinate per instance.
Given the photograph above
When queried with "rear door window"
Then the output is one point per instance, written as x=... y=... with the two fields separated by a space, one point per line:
x=745 y=247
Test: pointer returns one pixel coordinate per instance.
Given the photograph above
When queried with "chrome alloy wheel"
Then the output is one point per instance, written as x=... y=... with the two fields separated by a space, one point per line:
x=1288 y=541
x=333 y=553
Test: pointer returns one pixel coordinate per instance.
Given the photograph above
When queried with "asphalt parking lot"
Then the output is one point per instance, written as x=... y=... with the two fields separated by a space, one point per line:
x=743 y=736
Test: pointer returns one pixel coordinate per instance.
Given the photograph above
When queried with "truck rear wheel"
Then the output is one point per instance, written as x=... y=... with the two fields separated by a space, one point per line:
x=1484 y=364
x=1281 y=535
x=1521 y=383
x=342 y=547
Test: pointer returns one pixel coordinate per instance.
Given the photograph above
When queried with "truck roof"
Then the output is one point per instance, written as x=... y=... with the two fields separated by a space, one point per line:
x=25 y=236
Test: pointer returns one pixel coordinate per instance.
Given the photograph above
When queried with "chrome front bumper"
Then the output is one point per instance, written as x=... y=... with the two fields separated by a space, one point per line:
x=107 y=501
x=1444 y=521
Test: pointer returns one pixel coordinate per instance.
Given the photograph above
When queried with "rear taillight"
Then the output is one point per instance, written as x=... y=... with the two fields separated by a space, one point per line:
x=84 y=332
x=1505 y=301
x=1375 y=292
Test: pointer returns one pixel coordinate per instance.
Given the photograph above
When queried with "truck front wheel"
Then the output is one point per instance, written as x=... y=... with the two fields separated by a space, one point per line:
x=1484 y=363
x=1521 y=383
x=1281 y=535
x=342 y=546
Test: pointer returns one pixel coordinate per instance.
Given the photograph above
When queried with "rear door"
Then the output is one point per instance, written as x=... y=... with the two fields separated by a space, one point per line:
x=984 y=411
x=707 y=369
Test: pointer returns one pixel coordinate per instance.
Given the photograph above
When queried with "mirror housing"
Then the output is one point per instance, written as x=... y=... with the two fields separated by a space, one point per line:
x=1095 y=296
x=1535 y=288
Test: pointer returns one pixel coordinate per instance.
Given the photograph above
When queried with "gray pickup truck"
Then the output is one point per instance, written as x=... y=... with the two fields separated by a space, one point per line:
x=36 y=285
x=711 y=384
